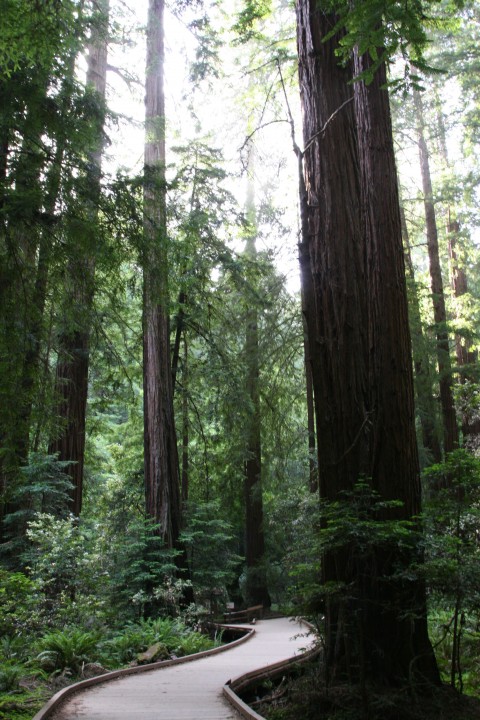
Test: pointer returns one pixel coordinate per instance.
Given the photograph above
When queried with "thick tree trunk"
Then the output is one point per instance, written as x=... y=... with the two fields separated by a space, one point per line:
x=393 y=455
x=356 y=312
x=162 y=490
x=71 y=381
x=438 y=297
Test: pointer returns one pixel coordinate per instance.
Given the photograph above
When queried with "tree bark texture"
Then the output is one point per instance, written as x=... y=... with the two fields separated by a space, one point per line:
x=162 y=491
x=356 y=313
x=438 y=297
x=393 y=454
x=304 y=260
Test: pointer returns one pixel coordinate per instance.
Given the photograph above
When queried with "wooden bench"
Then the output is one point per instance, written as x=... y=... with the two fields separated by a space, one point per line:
x=246 y=615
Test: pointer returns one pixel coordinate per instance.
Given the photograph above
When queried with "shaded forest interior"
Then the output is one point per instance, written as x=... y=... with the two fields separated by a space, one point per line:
x=242 y=370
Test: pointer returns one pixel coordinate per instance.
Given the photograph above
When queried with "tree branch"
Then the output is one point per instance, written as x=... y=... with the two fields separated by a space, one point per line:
x=327 y=123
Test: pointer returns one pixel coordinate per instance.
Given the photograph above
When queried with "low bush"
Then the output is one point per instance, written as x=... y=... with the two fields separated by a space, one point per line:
x=67 y=649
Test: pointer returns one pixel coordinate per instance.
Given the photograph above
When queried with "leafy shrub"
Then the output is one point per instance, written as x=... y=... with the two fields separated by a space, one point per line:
x=138 y=637
x=18 y=603
x=124 y=646
x=10 y=675
x=66 y=565
x=452 y=570
x=210 y=541
x=14 y=647
x=62 y=649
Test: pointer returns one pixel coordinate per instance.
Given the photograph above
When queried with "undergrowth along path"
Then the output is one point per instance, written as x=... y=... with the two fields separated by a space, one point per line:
x=190 y=691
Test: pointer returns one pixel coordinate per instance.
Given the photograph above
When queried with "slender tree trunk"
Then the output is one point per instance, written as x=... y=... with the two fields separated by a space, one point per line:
x=256 y=585
x=439 y=311
x=426 y=405
x=71 y=380
x=186 y=425
x=356 y=312
x=304 y=261
x=312 y=465
x=162 y=489
x=467 y=356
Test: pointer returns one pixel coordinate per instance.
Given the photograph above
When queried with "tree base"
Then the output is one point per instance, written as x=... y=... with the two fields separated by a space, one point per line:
x=306 y=696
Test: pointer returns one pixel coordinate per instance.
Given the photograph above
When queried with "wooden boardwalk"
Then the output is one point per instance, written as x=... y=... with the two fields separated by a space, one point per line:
x=191 y=691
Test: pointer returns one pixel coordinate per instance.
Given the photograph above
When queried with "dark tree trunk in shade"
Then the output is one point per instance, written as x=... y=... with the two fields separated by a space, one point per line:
x=393 y=455
x=356 y=313
x=161 y=465
x=186 y=425
x=256 y=582
x=74 y=342
x=438 y=297
x=426 y=403
x=304 y=260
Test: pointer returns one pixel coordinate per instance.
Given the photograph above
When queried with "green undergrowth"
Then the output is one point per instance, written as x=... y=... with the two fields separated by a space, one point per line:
x=34 y=668
x=302 y=694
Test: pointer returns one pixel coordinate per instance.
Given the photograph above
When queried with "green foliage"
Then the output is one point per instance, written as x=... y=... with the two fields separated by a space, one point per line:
x=135 y=638
x=452 y=568
x=452 y=515
x=10 y=675
x=360 y=524
x=63 y=559
x=43 y=483
x=33 y=33
x=444 y=638
x=212 y=560
x=19 y=597
x=141 y=571
x=246 y=24
x=67 y=649
x=385 y=30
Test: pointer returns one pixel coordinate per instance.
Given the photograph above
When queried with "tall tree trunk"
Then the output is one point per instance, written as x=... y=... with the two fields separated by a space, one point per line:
x=438 y=297
x=304 y=261
x=162 y=490
x=360 y=350
x=399 y=646
x=71 y=382
x=186 y=425
x=256 y=583
x=20 y=177
x=426 y=404
x=467 y=356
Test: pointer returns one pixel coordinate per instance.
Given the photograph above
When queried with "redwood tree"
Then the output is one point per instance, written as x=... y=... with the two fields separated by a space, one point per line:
x=74 y=342
x=161 y=467
x=356 y=313
x=438 y=297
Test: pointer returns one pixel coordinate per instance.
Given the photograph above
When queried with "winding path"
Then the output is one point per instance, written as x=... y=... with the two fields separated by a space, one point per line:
x=189 y=691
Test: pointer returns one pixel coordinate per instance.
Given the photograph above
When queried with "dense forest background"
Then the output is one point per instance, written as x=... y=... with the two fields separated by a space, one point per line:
x=175 y=386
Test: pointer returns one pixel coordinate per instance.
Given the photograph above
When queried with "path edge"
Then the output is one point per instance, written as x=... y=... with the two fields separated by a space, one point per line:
x=61 y=695
x=232 y=686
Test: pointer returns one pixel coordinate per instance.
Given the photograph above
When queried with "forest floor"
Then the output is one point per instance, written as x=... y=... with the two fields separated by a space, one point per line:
x=303 y=695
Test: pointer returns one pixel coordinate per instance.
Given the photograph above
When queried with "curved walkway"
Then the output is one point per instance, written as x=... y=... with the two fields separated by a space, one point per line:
x=191 y=691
